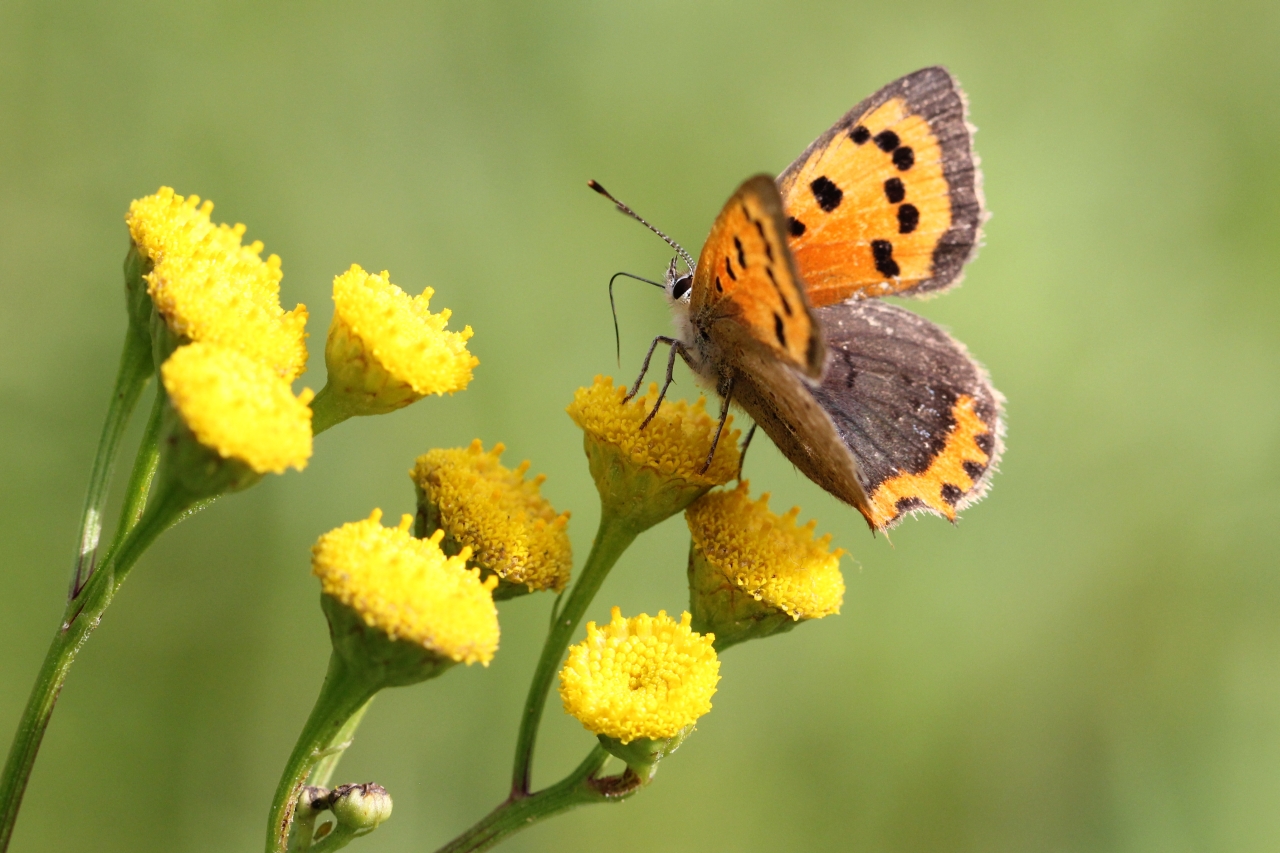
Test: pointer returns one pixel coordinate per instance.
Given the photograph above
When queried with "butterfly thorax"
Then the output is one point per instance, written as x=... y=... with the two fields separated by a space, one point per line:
x=697 y=347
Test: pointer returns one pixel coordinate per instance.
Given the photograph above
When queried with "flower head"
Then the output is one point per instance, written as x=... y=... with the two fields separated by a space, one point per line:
x=753 y=573
x=238 y=407
x=644 y=677
x=408 y=589
x=386 y=349
x=654 y=472
x=210 y=287
x=512 y=531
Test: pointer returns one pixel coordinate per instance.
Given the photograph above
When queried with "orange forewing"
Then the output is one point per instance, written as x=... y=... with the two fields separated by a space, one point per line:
x=746 y=274
x=836 y=250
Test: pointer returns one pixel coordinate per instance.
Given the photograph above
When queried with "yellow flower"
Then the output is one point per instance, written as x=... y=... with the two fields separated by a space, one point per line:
x=239 y=407
x=209 y=287
x=643 y=677
x=675 y=443
x=654 y=472
x=753 y=573
x=511 y=529
x=386 y=349
x=408 y=588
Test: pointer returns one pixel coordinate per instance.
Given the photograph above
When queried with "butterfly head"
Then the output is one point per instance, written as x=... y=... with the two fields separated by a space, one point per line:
x=678 y=285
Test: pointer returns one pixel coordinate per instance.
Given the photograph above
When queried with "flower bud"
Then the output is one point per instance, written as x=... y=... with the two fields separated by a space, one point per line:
x=360 y=807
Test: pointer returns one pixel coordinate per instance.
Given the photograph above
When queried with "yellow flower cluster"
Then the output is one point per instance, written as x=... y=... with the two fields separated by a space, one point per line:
x=768 y=556
x=388 y=347
x=510 y=528
x=209 y=287
x=239 y=407
x=644 y=677
x=674 y=444
x=408 y=588
x=229 y=378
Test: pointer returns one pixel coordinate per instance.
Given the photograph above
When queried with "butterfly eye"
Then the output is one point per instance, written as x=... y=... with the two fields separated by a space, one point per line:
x=681 y=287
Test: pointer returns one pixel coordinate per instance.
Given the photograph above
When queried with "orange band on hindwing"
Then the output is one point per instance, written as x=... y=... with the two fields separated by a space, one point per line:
x=946 y=482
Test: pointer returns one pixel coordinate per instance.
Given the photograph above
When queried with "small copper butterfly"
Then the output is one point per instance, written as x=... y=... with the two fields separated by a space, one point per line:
x=781 y=315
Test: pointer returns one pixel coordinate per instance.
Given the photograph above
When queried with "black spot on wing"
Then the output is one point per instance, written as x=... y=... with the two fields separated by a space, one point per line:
x=826 y=193
x=974 y=470
x=728 y=267
x=951 y=493
x=986 y=442
x=786 y=306
x=768 y=248
x=860 y=134
x=894 y=190
x=882 y=252
x=886 y=140
x=742 y=256
x=795 y=226
x=904 y=158
x=719 y=286
x=778 y=330
x=908 y=218
x=907 y=504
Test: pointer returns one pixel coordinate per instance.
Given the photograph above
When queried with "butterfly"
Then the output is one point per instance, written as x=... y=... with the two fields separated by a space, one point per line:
x=781 y=312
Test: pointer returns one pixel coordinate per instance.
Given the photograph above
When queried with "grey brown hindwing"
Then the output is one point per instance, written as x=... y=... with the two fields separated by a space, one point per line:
x=919 y=415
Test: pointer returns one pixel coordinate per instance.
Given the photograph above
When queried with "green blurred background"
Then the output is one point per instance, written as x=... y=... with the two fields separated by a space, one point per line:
x=1090 y=661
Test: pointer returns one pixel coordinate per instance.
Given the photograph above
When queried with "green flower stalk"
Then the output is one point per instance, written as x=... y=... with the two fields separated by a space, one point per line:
x=400 y=611
x=228 y=421
x=644 y=476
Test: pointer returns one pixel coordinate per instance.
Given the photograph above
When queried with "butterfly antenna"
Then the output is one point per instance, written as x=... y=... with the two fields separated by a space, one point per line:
x=688 y=259
x=617 y=338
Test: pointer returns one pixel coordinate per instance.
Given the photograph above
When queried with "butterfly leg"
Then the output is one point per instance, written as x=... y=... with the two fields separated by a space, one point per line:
x=644 y=367
x=742 y=454
x=727 y=393
x=677 y=348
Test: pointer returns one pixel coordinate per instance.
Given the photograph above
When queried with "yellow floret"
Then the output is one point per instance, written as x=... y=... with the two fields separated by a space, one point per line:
x=166 y=224
x=408 y=588
x=674 y=444
x=767 y=556
x=393 y=339
x=239 y=407
x=210 y=287
x=511 y=529
x=645 y=677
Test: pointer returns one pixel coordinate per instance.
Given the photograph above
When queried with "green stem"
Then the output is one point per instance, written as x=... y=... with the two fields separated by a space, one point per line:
x=327 y=410
x=615 y=534
x=322 y=772
x=580 y=787
x=144 y=471
x=83 y=614
x=345 y=693
x=131 y=377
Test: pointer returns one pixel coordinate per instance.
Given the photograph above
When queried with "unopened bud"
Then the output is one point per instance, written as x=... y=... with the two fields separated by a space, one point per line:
x=360 y=807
